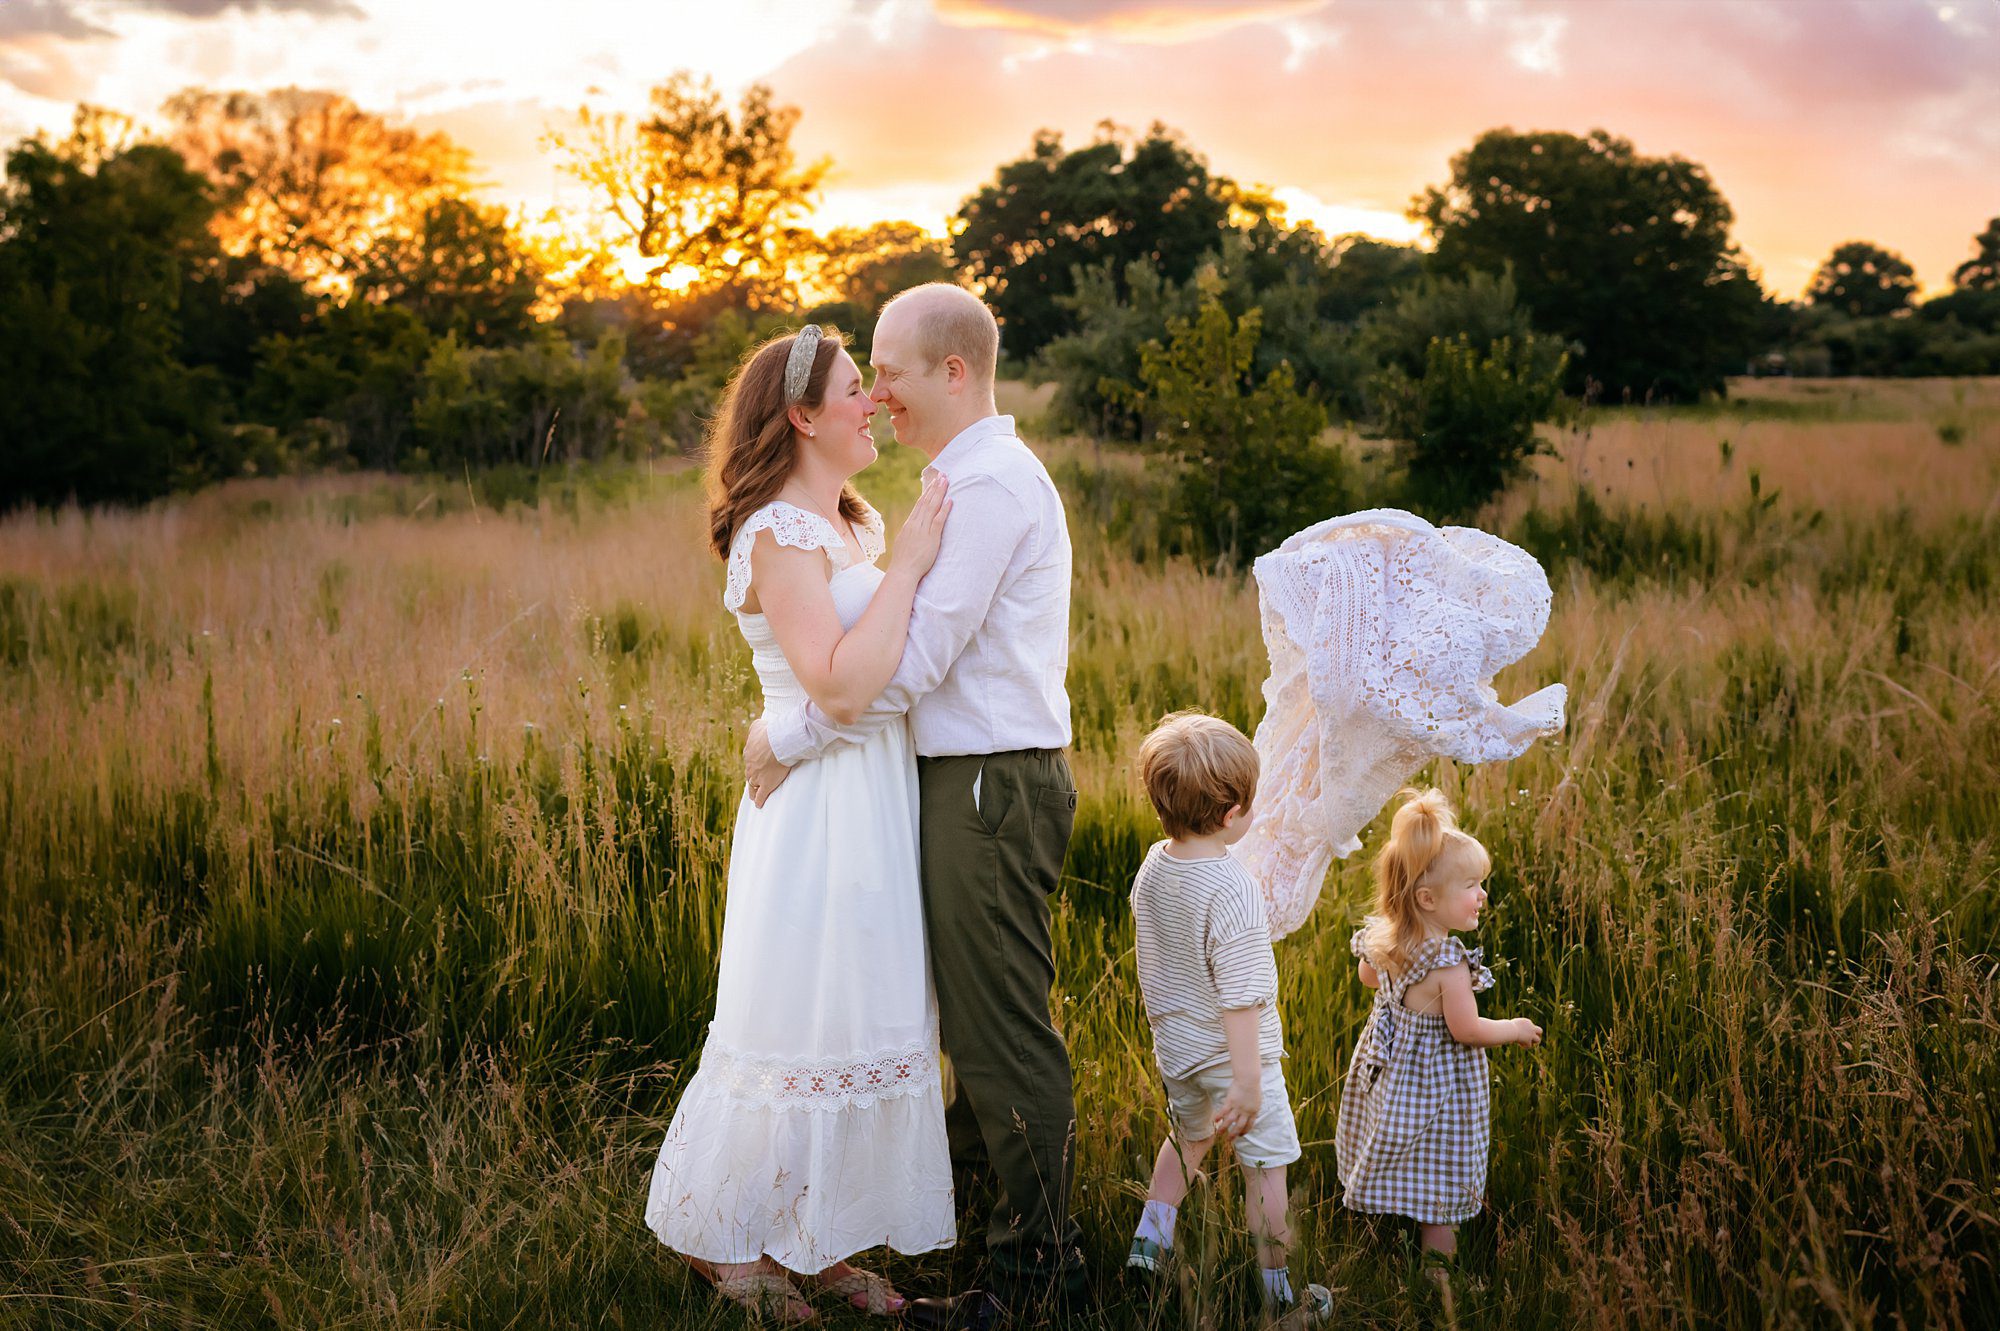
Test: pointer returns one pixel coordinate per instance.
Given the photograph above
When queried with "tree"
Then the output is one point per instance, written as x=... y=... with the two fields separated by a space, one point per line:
x=1863 y=280
x=1982 y=271
x=1094 y=363
x=97 y=135
x=855 y=271
x=459 y=268
x=1250 y=468
x=1023 y=237
x=713 y=201
x=1311 y=293
x=347 y=383
x=308 y=181
x=229 y=305
x=537 y=401
x=1482 y=308
x=1365 y=276
x=96 y=240
x=680 y=404
x=1974 y=309
x=1628 y=257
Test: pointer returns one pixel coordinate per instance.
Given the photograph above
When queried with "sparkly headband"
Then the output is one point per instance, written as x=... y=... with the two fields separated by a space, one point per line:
x=799 y=364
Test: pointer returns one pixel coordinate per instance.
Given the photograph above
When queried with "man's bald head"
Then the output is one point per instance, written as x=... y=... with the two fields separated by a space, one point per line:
x=942 y=320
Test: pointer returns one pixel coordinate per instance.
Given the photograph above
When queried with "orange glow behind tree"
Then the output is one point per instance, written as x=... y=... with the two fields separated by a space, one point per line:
x=309 y=180
x=710 y=201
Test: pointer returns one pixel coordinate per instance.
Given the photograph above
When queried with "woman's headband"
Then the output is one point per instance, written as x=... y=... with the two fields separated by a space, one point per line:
x=799 y=364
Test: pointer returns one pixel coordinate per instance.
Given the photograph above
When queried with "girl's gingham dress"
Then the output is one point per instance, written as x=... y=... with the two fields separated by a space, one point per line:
x=1413 y=1132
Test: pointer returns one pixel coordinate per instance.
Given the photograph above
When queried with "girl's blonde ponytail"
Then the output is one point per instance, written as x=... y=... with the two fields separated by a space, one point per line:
x=1418 y=834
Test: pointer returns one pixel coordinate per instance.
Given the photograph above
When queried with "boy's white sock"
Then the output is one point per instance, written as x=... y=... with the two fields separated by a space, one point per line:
x=1277 y=1284
x=1156 y=1223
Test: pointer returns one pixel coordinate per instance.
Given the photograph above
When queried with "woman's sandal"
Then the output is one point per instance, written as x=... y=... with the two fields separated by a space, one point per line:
x=767 y=1294
x=866 y=1292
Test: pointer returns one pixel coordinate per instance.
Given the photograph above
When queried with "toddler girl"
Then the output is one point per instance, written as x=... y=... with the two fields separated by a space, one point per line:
x=1412 y=1136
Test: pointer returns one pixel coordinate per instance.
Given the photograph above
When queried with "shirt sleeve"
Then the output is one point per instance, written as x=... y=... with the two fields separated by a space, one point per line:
x=1239 y=951
x=986 y=528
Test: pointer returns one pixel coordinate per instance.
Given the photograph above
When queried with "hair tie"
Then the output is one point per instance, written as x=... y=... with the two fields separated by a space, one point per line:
x=799 y=364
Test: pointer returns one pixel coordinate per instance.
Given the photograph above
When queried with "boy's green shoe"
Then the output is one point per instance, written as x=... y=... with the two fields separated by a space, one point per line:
x=1146 y=1256
x=1313 y=1308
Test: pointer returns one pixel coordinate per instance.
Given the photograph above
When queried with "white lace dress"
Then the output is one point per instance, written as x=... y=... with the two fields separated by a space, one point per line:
x=814 y=1126
x=1384 y=634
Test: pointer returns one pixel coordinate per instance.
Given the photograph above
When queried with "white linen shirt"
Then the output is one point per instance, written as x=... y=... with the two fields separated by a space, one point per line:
x=988 y=648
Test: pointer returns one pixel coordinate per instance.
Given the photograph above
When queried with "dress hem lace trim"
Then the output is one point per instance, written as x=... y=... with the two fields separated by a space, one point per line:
x=821 y=1084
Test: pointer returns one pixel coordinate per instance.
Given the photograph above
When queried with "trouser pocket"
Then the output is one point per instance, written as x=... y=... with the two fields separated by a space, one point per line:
x=1048 y=841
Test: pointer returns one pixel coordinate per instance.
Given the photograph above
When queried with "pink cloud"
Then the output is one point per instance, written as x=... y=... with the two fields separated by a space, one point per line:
x=1119 y=20
x=1817 y=121
x=1820 y=121
x=45 y=66
x=51 y=18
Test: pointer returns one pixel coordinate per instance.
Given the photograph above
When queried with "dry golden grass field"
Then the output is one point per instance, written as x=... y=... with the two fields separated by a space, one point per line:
x=362 y=861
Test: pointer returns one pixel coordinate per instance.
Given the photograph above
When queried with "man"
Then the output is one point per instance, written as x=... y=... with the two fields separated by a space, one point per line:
x=982 y=679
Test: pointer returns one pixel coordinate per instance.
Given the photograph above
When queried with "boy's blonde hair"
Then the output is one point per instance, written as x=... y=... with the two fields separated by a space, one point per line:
x=1423 y=833
x=1196 y=768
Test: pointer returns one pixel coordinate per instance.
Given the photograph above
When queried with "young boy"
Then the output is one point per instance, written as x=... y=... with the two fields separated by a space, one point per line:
x=1210 y=983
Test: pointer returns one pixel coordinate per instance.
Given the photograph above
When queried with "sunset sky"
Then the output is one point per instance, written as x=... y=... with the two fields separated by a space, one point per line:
x=1821 y=120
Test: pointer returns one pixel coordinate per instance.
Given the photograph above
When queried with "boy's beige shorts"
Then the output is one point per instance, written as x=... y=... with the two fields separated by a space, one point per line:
x=1273 y=1139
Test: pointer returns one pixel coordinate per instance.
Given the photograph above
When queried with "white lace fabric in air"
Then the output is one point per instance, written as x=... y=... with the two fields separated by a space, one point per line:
x=1384 y=634
x=799 y=529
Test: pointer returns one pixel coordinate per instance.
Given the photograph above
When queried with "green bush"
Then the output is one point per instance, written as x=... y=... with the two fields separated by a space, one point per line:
x=1467 y=426
x=1112 y=332
x=1250 y=469
x=680 y=406
x=349 y=379
x=1313 y=295
x=530 y=404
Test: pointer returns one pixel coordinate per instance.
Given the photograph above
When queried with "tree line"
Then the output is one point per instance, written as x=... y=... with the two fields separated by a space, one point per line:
x=1176 y=310
x=283 y=281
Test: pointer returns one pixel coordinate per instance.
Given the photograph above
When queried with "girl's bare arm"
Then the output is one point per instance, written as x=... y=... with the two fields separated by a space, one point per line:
x=1461 y=1014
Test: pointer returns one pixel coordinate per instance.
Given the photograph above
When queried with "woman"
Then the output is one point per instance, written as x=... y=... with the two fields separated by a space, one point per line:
x=814 y=1127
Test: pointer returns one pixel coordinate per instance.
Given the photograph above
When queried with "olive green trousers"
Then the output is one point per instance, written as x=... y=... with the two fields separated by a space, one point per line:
x=990 y=863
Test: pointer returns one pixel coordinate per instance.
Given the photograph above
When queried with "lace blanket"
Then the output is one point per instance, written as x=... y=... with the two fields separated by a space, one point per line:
x=1384 y=634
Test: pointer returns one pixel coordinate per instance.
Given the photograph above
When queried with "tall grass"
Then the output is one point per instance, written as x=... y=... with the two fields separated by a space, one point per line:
x=362 y=856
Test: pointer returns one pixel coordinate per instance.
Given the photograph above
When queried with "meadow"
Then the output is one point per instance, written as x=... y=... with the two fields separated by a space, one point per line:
x=362 y=848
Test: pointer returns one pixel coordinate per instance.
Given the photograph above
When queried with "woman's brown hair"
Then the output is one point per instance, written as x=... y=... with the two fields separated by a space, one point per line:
x=752 y=447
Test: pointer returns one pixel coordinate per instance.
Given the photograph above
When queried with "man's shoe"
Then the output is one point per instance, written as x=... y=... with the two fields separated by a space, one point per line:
x=974 y=1310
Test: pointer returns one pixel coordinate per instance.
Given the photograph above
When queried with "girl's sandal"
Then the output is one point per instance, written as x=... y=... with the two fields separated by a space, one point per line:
x=866 y=1292
x=767 y=1294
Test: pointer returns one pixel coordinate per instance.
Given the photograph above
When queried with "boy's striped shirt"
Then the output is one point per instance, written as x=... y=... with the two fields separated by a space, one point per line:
x=1202 y=946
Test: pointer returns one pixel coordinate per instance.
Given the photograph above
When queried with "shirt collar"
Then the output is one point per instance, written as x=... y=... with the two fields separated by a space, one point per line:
x=967 y=441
